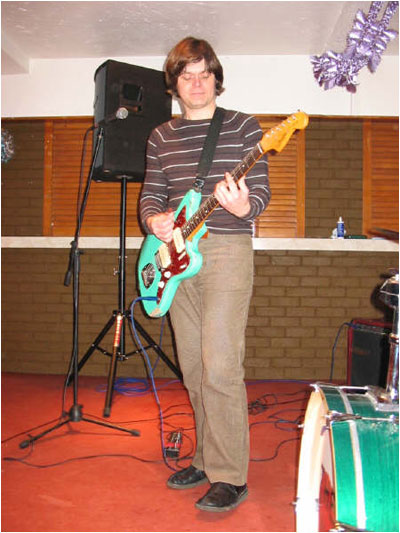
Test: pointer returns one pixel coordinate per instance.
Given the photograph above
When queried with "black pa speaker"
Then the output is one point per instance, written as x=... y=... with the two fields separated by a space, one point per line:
x=368 y=351
x=139 y=94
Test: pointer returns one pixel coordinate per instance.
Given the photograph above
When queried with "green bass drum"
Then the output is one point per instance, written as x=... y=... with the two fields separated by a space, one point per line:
x=348 y=477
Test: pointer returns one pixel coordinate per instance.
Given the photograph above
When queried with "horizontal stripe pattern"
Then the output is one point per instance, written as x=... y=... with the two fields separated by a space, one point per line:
x=173 y=153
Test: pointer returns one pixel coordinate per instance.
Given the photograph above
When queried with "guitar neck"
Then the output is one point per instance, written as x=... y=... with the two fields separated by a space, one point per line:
x=208 y=206
x=275 y=139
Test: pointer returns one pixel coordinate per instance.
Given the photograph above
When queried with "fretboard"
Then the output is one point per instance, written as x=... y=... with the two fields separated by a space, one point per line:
x=208 y=206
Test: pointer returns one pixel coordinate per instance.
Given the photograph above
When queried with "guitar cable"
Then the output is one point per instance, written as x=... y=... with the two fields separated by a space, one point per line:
x=147 y=359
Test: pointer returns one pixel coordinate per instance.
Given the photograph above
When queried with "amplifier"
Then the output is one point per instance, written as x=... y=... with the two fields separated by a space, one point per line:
x=368 y=350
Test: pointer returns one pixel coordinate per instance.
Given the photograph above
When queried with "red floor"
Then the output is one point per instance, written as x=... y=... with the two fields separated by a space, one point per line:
x=85 y=477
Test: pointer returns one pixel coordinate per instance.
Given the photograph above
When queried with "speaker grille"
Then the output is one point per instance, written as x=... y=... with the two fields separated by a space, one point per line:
x=368 y=351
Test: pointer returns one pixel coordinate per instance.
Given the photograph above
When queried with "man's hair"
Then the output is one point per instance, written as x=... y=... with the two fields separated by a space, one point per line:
x=192 y=50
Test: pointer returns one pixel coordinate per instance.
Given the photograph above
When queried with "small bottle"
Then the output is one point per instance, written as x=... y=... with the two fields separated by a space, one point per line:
x=340 y=229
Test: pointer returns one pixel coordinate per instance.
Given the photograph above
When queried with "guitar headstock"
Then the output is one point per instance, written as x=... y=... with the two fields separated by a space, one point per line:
x=277 y=137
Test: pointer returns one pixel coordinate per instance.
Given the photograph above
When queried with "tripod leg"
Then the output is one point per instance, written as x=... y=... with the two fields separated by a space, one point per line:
x=25 y=443
x=133 y=432
x=94 y=345
x=159 y=351
x=113 y=366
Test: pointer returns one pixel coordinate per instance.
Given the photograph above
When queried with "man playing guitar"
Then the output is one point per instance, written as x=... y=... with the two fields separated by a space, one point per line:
x=209 y=310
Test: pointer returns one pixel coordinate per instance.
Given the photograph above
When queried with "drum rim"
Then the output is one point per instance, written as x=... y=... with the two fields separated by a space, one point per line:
x=348 y=396
x=351 y=401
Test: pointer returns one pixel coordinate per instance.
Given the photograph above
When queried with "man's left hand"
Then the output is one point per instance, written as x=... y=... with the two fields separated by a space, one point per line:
x=234 y=197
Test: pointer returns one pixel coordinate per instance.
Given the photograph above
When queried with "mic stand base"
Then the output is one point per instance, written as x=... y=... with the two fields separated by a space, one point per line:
x=75 y=415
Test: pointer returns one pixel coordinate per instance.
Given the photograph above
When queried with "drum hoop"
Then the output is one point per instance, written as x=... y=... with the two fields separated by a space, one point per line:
x=308 y=486
x=337 y=416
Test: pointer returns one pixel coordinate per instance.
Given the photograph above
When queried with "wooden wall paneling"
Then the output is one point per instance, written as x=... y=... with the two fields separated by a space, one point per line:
x=285 y=215
x=47 y=179
x=301 y=184
x=380 y=176
x=102 y=214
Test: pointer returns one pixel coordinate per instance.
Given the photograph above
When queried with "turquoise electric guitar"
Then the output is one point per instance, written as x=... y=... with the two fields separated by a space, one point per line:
x=162 y=266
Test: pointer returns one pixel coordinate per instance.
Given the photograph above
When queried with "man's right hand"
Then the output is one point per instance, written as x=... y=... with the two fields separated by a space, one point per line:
x=161 y=225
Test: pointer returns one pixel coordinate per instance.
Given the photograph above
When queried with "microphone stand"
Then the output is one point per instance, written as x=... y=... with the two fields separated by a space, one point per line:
x=75 y=412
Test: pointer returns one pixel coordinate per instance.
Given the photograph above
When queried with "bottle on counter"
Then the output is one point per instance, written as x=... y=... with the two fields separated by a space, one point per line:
x=340 y=229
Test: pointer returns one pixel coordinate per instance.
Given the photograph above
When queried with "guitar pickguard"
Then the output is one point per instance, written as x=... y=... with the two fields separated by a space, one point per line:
x=172 y=258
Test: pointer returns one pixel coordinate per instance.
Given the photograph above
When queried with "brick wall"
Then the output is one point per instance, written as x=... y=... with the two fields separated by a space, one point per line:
x=334 y=172
x=38 y=311
x=22 y=180
x=300 y=300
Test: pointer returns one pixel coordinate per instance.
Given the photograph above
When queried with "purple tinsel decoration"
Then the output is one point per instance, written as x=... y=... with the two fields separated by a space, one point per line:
x=366 y=42
x=7 y=146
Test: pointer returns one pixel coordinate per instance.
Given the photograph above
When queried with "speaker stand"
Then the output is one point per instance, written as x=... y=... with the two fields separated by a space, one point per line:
x=75 y=412
x=119 y=317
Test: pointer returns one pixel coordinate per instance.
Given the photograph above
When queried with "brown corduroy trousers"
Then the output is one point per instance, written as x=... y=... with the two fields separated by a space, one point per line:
x=209 y=316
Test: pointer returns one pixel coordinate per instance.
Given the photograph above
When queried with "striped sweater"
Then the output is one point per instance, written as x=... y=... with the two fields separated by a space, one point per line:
x=173 y=153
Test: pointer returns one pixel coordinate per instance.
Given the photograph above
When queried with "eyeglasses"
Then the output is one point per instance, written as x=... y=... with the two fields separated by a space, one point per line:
x=190 y=76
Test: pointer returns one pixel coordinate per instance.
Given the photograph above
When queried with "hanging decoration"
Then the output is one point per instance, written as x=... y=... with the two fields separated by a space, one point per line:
x=7 y=146
x=366 y=42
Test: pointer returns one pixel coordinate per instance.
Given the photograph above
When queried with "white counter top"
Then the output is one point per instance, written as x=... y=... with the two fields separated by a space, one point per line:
x=133 y=243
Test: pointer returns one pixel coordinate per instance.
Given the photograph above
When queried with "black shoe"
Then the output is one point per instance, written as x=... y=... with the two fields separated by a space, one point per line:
x=222 y=497
x=187 y=478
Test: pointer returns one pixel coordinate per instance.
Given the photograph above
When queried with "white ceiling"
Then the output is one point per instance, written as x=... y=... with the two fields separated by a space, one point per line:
x=40 y=30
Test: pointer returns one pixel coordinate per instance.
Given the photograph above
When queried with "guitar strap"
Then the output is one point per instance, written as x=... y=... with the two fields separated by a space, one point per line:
x=207 y=153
